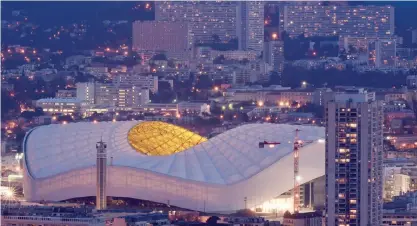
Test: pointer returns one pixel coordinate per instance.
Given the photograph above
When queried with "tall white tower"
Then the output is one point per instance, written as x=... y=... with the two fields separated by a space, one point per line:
x=354 y=155
x=101 y=198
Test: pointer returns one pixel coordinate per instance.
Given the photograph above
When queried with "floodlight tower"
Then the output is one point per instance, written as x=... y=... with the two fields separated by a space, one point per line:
x=101 y=198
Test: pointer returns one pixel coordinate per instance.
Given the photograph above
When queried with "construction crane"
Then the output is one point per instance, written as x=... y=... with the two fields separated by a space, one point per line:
x=297 y=178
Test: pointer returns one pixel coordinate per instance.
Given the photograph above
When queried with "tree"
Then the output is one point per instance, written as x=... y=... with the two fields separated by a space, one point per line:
x=28 y=115
x=7 y=103
x=204 y=82
x=216 y=38
x=160 y=56
x=274 y=78
x=212 y=221
x=219 y=60
x=352 y=49
x=287 y=214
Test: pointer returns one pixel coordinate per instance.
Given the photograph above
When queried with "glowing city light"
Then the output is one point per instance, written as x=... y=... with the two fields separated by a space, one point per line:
x=260 y=103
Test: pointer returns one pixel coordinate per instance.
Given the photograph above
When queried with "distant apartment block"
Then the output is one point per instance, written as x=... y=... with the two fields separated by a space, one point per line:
x=339 y=20
x=165 y=36
x=145 y=81
x=382 y=53
x=250 y=25
x=205 y=18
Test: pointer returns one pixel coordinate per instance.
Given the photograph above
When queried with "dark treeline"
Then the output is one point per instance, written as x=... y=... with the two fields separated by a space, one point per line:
x=293 y=76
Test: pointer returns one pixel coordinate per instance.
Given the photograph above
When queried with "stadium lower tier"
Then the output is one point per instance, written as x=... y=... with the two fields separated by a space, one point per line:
x=214 y=175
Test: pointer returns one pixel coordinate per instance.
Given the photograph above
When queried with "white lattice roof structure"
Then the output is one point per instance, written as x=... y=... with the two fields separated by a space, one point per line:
x=217 y=173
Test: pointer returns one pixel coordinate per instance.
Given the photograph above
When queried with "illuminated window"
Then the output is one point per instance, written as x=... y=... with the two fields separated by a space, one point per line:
x=353 y=125
x=352 y=201
x=341 y=195
x=343 y=150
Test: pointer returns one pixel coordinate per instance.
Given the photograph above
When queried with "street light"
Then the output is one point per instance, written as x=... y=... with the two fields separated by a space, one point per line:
x=260 y=103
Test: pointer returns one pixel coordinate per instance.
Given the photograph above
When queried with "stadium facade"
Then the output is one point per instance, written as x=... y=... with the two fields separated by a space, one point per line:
x=165 y=163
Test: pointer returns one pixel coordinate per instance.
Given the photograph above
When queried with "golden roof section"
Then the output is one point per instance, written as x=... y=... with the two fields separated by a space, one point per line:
x=160 y=138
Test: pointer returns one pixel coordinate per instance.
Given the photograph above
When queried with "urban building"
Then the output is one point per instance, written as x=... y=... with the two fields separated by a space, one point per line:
x=354 y=152
x=382 y=53
x=128 y=97
x=395 y=182
x=122 y=94
x=414 y=36
x=274 y=55
x=66 y=106
x=321 y=96
x=145 y=81
x=300 y=96
x=197 y=107
x=157 y=161
x=171 y=37
x=86 y=92
x=206 y=19
x=317 y=19
x=303 y=219
x=98 y=71
x=250 y=25
x=234 y=54
x=76 y=215
x=105 y=94
x=142 y=220
x=399 y=218
x=411 y=81
x=64 y=93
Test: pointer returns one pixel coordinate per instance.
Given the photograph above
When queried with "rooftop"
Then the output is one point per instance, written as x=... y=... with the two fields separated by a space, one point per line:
x=59 y=100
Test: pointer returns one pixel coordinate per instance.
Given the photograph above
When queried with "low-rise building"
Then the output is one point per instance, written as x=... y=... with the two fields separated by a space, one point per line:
x=399 y=218
x=59 y=105
x=66 y=93
x=303 y=219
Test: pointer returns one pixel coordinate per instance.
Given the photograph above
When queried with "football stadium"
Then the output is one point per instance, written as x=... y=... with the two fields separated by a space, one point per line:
x=165 y=163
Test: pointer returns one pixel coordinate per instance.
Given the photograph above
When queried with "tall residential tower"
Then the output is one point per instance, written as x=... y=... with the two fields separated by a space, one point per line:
x=250 y=26
x=354 y=152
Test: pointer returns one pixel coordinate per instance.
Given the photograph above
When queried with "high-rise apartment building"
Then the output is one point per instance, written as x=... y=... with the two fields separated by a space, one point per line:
x=206 y=18
x=250 y=27
x=338 y=20
x=354 y=152
x=414 y=36
x=382 y=53
x=167 y=36
x=274 y=55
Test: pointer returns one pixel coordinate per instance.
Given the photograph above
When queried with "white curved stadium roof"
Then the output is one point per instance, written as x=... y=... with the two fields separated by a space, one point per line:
x=55 y=152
